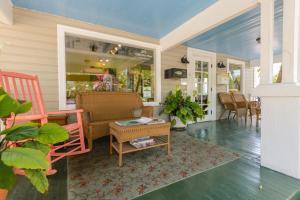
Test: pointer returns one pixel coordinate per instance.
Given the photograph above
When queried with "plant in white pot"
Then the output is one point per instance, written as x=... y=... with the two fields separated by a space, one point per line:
x=25 y=146
x=181 y=109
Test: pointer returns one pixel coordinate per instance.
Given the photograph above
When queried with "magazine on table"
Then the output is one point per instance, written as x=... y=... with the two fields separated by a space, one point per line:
x=142 y=142
x=139 y=121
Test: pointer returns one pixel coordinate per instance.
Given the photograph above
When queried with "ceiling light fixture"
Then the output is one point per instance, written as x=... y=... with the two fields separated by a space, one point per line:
x=258 y=40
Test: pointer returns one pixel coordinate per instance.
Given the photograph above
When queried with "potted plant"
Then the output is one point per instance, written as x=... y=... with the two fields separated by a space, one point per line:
x=25 y=146
x=181 y=109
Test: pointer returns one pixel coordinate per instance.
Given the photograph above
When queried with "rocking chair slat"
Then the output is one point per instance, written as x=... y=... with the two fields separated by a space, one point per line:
x=16 y=93
x=22 y=89
x=75 y=145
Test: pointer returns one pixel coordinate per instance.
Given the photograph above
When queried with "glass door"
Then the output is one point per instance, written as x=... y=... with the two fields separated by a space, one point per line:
x=202 y=86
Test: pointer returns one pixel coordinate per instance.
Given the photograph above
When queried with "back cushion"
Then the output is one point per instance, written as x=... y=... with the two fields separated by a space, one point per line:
x=109 y=105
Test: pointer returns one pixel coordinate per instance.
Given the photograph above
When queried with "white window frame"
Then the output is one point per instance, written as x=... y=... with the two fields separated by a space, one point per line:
x=62 y=30
x=243 y=72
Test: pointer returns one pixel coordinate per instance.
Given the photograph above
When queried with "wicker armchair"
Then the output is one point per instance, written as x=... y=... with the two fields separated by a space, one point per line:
x=254 y=109
x=241 y=105
x=227 y=102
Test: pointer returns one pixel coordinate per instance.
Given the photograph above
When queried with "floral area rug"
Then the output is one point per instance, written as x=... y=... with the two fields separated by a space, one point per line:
x=96 y=175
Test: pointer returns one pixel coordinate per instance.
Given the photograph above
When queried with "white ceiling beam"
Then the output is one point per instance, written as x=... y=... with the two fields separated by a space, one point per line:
x=219 y=13
x=6 y=12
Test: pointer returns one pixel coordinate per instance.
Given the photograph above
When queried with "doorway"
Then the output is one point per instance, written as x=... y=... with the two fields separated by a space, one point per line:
x=201 y=81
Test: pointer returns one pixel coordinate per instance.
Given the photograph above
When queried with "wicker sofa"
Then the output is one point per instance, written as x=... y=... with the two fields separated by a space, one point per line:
x=101 y=108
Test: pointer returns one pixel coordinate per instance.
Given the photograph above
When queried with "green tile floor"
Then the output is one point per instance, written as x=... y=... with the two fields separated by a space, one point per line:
x=239 y=179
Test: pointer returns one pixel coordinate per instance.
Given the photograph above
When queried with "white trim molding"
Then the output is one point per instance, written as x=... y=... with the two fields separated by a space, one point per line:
x=206 y=20
x=6 y=12
x=62 y=30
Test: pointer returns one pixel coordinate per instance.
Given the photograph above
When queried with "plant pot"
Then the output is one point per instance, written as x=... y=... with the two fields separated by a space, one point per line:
x=179 y=124
x=3 y=194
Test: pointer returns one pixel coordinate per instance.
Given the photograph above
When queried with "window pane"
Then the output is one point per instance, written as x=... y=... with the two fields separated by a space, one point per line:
x=235 y=78
x=93 y=65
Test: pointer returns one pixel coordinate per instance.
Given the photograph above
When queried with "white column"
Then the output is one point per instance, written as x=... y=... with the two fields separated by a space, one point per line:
x=280 y=124
x=290 y=41
x=267 y=31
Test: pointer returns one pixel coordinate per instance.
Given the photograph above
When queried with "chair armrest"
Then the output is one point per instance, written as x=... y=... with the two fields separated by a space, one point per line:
x=147 y=111
x=64 y=112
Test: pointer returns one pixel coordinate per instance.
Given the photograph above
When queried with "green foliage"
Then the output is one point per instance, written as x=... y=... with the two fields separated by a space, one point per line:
x=21 y=133
x=176 y=104
x=32 y=142
x=24 y=158
x=37 y=145
x=38 y=179
x=51 y=134
x=7 y=176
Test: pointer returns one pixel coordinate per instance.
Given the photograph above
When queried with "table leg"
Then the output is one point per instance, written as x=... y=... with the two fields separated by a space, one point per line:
x=110 y=144
x=120 y=154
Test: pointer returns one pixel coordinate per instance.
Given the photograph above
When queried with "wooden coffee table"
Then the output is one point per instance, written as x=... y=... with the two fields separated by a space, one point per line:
x=121 y=135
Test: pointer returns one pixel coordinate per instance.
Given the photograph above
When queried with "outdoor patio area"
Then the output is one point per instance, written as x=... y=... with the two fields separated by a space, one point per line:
x=164 y=100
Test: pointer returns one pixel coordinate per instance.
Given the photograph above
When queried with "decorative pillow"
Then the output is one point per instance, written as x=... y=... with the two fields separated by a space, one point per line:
x=137 y=112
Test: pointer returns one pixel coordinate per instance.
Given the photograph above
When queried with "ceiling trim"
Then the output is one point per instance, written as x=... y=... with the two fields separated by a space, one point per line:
x=6 y=12
x=214 y=15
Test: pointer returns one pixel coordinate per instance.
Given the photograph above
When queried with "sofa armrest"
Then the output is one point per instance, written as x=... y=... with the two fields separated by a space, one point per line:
x=86 y=119
x=147 y=111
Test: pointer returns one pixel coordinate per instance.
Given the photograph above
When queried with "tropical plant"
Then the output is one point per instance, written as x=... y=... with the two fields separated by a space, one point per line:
x=181 y=106
x=25 y=146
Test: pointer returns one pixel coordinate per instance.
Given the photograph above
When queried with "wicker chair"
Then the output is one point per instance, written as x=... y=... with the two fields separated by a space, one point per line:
x=241 y=105
x=228 y=103
x=254 y=109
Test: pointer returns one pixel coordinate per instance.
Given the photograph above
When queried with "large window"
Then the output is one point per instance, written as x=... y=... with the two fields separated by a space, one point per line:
x=94 y=65
x=235 y=77
x=276 y=74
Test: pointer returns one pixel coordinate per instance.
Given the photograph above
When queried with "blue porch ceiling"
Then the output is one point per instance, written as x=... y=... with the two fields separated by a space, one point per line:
x=154 y=18
x=237 y=37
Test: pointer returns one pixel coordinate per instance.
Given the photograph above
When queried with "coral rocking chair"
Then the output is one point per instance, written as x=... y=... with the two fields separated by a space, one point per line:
x=25 y=87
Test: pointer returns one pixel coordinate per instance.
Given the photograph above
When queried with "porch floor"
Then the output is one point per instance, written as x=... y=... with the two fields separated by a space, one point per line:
x=239 y=179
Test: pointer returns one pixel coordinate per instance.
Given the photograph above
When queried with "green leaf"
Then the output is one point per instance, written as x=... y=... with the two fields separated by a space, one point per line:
x=22 y=133
x=2 y=91
x=7 y=105
x=38 y=146
x=9 y=130
x=51 y=134
x=25 y=158
x=38 y=179
x=23 y=108
x=173 y=122
x=7 y=177
x=183 y=111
